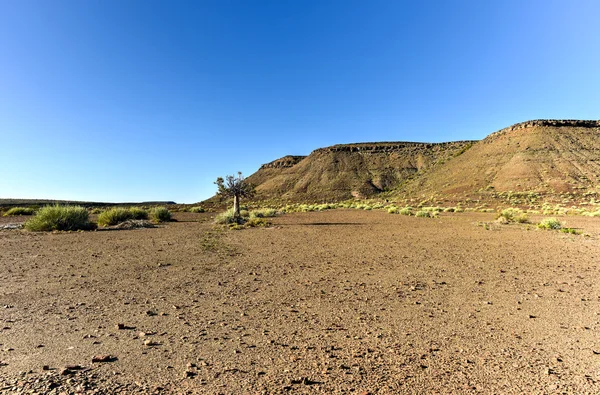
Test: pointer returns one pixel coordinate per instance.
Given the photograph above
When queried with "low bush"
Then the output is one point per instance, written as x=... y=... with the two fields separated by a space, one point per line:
x=57 y=217
x=254 y=222
x=160 y=214
x=405 y=211
x=197 y=209
x=117 y=215
x=572 y=231
x=393 y=210
x=425 y=214
x=513 y=215
x=549 y=223
x=19 y=211
x=227 y=218
x=263 y=213
x=138 y=213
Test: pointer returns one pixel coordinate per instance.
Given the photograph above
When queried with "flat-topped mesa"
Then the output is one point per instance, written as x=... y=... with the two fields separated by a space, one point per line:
x=385 y=147
x=286 y=161
x=574 y=123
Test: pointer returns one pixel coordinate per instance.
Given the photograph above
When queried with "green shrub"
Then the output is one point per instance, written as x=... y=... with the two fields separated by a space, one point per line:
x=262 y=213
x=405 y=211
x=160 y=214
x=114 y=216
x=549 y=223
x=138 y=213
x=424 y=214
x=95 y=210
x=449 y=209
x=572 y=231
x=254 y=222
x=197 y=209
x=19 y=211
x=57 y=217
x=227 y=218
x=393 y=210
x=513 y=215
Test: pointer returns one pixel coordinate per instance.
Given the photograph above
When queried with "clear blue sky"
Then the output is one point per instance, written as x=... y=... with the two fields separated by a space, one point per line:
x=153 y=100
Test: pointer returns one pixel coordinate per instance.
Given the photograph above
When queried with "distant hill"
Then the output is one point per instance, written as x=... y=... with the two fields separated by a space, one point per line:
x=545 y=157
x=44 y=202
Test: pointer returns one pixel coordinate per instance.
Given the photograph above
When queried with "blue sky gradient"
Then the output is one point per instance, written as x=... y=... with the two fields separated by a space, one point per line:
x=152 y=100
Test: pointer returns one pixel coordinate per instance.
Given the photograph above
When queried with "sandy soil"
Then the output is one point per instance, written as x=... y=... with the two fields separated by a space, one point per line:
x=343 y=301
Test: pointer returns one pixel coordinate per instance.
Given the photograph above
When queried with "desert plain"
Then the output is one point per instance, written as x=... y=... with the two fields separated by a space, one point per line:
x=336 y=302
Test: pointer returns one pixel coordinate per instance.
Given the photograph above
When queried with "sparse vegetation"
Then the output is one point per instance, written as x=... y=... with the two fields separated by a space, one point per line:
x=160 y=214
x=263 y=213
x=19 y=211
x=237 y=188
x=117 y=215
x=549 y=224
x=513 y=215
x=426 y=214
x=50 y=218
x=197 y=209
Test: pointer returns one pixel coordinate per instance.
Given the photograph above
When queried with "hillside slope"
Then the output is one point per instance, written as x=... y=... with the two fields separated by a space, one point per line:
x=547 y=157
x=350 y=170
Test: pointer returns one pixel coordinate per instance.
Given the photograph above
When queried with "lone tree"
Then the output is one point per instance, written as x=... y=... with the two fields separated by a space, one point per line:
x=236 y=187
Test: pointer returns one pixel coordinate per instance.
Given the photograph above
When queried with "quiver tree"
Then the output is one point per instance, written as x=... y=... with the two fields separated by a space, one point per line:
x=237 y=188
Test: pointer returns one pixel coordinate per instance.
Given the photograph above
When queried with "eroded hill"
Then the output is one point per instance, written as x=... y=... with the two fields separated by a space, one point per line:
x=351 y=170
x=545 y=158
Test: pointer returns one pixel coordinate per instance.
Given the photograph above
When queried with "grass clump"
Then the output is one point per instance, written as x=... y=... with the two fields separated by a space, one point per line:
x=513 y=215
x=227 y=218
x=263 y=213
x=549 y=224
x=572 y=231
x=426 y=214
x=197 y=209
x=160 y=214
x=57 y=217
x=117 y=215
x=19 y=211
x=405 y=211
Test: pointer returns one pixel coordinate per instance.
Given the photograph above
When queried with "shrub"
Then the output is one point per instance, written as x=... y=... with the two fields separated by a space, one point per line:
x=138 y=213
x=57 y=217
x=114 y=216
x=405 y=211
x=513 y=215
x=160 y=214
x=227 y=217
x=197 y=209
x=19 y=211
x=449 y=209
x=572 y=231
x=254 y=222
x=393 y=210
x=549 y=223
x=263 y=213
x=95 y=210
x=423 y=214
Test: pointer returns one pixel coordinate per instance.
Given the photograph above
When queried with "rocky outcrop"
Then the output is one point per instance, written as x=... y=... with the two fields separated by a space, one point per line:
x=281 y=163
x=574 y=123
x=383 y=147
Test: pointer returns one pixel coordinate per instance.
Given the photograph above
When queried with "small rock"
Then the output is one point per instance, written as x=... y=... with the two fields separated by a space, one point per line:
x=45 y=367
x=151 y=343
x=532 y=316
x=103 y=358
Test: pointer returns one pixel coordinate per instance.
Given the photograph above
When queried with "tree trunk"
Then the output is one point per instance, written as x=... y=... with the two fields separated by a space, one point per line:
x=236 y=207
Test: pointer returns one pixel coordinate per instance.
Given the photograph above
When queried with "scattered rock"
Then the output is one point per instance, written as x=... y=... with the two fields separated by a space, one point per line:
x=103 y=358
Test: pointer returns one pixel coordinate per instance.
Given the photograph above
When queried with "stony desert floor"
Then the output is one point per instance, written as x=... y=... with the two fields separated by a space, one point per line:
x=342 y=301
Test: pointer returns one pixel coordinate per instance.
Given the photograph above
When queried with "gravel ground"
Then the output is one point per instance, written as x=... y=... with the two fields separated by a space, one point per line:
x=341 y=301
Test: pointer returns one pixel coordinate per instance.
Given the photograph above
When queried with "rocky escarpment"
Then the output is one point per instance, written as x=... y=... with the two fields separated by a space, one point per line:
x=554 y=123
x=281 y=163
x=388 y=147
